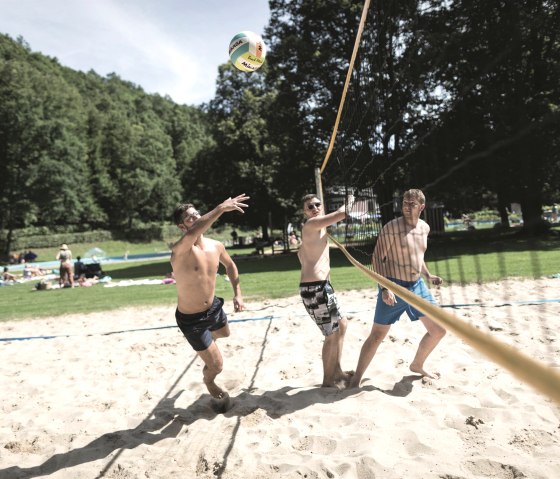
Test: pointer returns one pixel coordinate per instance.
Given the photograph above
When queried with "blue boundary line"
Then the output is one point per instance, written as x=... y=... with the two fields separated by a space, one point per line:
x=508 y=303
x=24 y=338
x=267 y=318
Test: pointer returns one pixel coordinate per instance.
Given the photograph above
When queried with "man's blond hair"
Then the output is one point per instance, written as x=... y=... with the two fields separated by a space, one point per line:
x=416 y=194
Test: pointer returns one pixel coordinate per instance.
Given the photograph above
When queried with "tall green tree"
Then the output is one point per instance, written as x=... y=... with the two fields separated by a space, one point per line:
x=243 y=160
x=78 y=150
x=136 y=171
x=42 y=147
x=499 y=72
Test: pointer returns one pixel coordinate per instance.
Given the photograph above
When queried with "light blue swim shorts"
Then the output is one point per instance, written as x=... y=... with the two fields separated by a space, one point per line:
x=385 y=314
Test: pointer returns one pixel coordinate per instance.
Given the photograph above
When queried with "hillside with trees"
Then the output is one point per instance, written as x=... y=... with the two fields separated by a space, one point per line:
x=80 y=152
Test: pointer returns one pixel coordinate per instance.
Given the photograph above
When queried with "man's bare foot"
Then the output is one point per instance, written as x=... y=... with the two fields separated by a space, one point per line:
x=329 y=384
x=215 y=391
x=338 y=384
x=340 y=381
x=222 y=404
x=422 y=372
x=344 y=377
x=354 y=382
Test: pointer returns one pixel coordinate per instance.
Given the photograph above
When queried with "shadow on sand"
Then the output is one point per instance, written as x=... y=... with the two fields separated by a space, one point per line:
x=167 y=420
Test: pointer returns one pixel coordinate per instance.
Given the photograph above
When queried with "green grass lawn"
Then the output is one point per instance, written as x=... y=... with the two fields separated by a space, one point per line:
x=458 y=259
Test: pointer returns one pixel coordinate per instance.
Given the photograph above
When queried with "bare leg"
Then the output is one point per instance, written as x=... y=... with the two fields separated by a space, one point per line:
x=339 y=374
x=221 y=333
x=330 y=357
x=377 y=335
x=213 y=365
x=427 y=344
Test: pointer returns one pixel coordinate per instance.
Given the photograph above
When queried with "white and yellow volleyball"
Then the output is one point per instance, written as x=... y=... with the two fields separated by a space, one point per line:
x=247 y=51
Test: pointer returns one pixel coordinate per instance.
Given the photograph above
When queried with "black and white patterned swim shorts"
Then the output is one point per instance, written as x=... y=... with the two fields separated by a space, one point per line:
x=321 y=304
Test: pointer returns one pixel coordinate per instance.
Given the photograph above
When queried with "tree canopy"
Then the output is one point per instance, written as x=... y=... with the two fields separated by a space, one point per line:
x=461 y=98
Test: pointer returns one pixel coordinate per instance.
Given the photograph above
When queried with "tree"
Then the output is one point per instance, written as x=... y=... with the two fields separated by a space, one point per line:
x=499 y=74
x=41 y=148
x=244 y=156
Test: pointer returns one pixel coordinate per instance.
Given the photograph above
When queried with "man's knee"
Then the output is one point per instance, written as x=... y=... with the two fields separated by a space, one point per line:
x=221 y=333
x=439 y=332
x=214 y=366
x=213 y=362
x=218 y=367
x=378 y=333
x=434 y=329
x=343 y=325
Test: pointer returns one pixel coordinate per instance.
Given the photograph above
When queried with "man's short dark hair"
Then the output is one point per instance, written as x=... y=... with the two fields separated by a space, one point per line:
x=308 y=197
x=179 y=213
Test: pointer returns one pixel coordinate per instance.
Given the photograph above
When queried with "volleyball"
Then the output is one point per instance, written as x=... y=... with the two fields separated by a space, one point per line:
x=247 y=51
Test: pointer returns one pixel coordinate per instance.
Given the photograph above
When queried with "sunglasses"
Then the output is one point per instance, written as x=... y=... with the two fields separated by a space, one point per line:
x=191 y=216
x=312 y=206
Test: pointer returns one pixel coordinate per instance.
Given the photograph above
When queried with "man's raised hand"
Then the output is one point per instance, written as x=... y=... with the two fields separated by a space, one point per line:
x=237 y=203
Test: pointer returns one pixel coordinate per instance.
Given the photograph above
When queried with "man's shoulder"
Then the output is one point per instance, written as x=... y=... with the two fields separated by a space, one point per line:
x=423 y=224
x=393 y=224
x=213 y=242
x=210 y=244
x=311 y=228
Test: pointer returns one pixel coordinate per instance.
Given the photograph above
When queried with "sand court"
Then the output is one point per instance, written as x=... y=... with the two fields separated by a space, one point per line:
x=119 y=395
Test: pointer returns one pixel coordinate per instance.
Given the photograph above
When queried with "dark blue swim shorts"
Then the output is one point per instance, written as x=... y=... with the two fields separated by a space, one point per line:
x=198 y=327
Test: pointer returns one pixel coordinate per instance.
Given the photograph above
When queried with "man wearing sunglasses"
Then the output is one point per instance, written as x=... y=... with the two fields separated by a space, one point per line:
x=195 y=261
x=399 y=256
x=315 y=288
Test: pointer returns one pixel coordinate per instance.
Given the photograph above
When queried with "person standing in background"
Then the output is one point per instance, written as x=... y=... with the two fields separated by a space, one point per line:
x=66 y=267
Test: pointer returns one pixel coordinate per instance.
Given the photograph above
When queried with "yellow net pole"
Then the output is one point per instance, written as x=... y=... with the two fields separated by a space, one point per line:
x=532 y=372
x=319 y=185
x=346 y=83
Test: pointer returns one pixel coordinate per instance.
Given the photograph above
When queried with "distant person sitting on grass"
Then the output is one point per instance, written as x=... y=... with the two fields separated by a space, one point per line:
x=7 y=276
x=87 y=282
x=32 y=271
x=29 y=256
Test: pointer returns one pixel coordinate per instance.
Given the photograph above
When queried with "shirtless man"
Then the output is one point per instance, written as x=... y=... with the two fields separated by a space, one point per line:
x=195 y=261
x=315 y=287
x=399 y=256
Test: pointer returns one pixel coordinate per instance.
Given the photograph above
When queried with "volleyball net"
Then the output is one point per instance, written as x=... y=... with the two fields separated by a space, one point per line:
x=382 y=145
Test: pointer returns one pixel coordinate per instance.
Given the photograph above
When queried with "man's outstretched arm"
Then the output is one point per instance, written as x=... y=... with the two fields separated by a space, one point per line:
x=204 y=222
x=331 y=218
